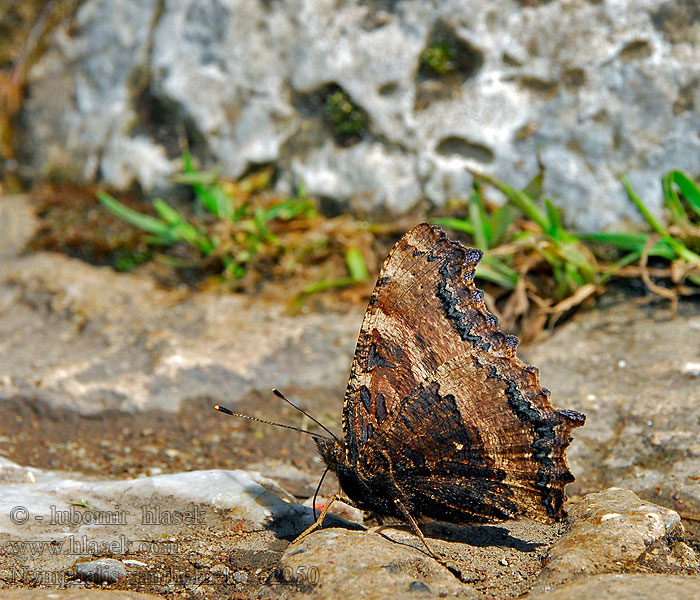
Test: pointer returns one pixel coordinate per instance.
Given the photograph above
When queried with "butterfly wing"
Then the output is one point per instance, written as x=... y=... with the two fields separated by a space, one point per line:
x=436 y=389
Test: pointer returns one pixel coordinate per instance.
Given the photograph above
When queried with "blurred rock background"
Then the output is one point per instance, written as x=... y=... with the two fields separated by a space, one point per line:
x=591 y=89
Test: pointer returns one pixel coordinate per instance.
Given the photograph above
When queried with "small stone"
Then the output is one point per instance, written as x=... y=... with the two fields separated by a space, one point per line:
x=684 y=557
x=240 y=577
x=364 y=564
x=104 y=570
x=633 y=585
x=220 y=569
x=691 y=368
x=130 y=562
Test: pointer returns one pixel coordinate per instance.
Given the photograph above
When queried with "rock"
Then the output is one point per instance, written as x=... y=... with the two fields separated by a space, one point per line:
x=299 y=483
x=91 y=339
x=438 y=88
x=17 y=223
x=500 y=560
x=112 y=47
x=174 y=532
x=637 y=586
x=608 y=532
x=171 y=533
x=612 y=531
x=203 y=517
x=621 y=366
x=691 y=368
x=105 y=570
x=49 y=499
x=343 y=564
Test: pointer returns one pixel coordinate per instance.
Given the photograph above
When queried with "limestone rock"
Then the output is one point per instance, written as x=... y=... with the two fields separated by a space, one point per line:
x=106 y=570
x=608 y=532
x=439 y=87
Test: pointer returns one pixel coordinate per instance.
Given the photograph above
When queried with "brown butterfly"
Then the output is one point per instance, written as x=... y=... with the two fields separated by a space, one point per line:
x=441 y=420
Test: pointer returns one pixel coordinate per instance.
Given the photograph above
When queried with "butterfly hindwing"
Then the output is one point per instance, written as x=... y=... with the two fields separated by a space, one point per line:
x=437 y=390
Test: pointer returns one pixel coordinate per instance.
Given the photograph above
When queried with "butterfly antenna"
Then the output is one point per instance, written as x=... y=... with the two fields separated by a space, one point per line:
x=227 y=411
x=303 y=412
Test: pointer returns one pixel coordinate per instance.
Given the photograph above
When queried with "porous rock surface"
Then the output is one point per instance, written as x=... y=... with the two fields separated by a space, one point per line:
x=593 y=89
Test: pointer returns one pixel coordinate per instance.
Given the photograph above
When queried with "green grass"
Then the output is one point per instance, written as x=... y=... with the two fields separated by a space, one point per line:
x=528 y=252
x=234 y=225
x=529 y=224
x=571 y=266
x=357 y=273
x=234 y=230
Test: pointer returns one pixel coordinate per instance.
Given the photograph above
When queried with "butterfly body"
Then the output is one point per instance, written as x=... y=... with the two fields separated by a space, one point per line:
x=441 y=420
x=369 y=486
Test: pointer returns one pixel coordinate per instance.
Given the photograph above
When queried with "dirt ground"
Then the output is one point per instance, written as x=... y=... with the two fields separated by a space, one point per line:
x=118 y=445
x=225 y=558
x=215 y=560
x=228 y=558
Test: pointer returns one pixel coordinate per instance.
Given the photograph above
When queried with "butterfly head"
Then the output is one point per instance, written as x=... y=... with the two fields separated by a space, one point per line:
x=331 y=452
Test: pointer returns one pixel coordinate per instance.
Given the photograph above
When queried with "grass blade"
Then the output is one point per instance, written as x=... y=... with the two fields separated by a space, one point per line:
x=160 y=229
x=623 y=262
x=168 y=213
x=454 y=223
x=678 y=247
x=655 y=225
x=356 y=264
x=634 y=242
x=501 y=219
x=673 y=202
x=535 y=186
x=183 y=230
x=209 y=195
x=688 y=188
x=479 y=221
x=496 y=271
x=521 y=201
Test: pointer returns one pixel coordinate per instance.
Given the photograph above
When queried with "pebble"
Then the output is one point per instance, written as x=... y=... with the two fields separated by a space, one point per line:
x=104 y=570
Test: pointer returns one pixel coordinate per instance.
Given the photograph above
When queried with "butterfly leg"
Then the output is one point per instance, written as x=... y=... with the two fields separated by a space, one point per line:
x=319 y=522
x=414 y=525
x=419 y=533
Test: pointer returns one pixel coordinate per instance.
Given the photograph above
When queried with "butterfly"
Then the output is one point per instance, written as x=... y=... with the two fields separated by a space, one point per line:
x=441 y=420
